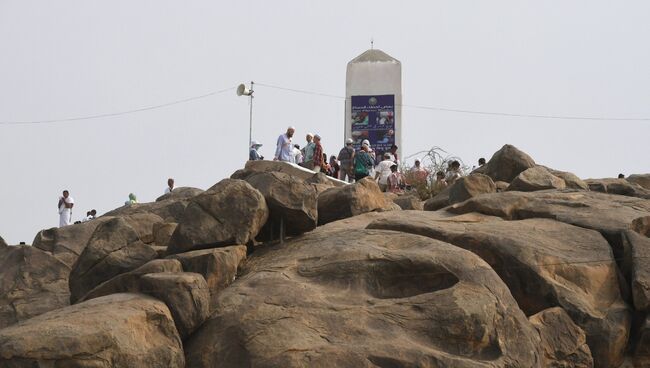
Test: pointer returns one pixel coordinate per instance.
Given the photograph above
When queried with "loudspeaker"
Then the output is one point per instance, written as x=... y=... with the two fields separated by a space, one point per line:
x=243 y=91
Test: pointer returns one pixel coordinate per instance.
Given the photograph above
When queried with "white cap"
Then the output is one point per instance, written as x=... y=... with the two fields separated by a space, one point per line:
x=256 y=143
x=291 y=127
x=365 y=143
x=349 y=141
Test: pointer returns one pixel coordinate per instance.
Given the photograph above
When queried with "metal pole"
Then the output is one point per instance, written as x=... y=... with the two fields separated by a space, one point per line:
x=250 y=121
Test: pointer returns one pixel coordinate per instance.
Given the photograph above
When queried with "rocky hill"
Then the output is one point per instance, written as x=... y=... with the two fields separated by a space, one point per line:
x=515 y=265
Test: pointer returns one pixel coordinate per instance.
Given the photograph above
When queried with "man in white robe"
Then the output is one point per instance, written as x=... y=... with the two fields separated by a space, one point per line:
x=66 y=202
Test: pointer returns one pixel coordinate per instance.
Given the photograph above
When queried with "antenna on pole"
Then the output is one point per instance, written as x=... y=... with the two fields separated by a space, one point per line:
x=372 y=43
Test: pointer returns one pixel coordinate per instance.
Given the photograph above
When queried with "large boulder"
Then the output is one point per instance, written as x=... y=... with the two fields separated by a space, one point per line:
x=32 y=282
x=462 y=189
x=642 y=180
x=120 y=330
x=440 y=200
x=231 y=212
x=409 y=202
x=506 y=164
x=114 y=248
x=571 y=180
x=609 y=214
x=289 y=198
x=563 y=343
x=618 y=186
x=180 y=193
x=536 y=178
x=365 y=298
x=185 y=293
x=218 y=266
x=68 y=242
x=470 y=186
x=545 y=264
x=170 y=209
x=350 y=200
x=129 y=282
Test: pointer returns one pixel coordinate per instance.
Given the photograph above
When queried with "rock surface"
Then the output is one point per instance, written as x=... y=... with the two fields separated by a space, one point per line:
x=180 y=193
x=617 y=186
x=186 y=295
x=218 y=266
x=282 y=167
x=545 y=264
x=506 y=164
x=120 y=330
x=409 y=202
x=68 y=242
x=2 y=242
x=536 y=178
x=571 y=180
x=114 y=248
x=231 y=212
x=640 y=270
x=32 y=282
x=350 y=200
x=170 y=210
x=470 y=186
x=563 y=342
x=640 y=179
x=440 y=200
x=130 y=282
x=288 y=198
x=162 y=232
x=365 y=298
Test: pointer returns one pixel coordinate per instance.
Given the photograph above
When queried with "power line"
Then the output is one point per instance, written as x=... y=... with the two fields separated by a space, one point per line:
x=476 y=112
x=147 y=108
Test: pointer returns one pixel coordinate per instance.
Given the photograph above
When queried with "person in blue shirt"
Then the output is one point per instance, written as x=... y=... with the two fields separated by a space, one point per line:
x=284 y=147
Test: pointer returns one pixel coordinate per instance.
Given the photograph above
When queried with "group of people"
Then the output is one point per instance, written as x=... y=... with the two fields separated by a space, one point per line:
x=66 y=203
x=349 y=165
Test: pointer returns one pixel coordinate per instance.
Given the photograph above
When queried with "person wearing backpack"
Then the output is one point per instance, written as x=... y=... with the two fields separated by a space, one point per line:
x=362 y=163
x=346 y=157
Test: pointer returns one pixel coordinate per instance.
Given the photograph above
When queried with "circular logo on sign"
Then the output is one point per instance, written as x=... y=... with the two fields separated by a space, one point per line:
x=372 y=101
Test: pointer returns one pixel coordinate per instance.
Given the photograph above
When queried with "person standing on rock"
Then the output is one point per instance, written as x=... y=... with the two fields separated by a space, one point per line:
x=395 y=181
x=297 y=154
x=284 y=147
x=382 y=171
x=346 y=157
x=393 y=154
x=254 y=154
x=170 y=186
x=308 y=152
x=319 y=164
x=454 y=173
x=362 y=163
x=66 y=202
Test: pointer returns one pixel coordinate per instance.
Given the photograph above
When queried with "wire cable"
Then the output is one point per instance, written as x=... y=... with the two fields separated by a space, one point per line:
x=98 y=116
x=477 y=112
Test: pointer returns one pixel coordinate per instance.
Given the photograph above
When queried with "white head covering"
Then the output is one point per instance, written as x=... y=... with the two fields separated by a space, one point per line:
x=366 y=143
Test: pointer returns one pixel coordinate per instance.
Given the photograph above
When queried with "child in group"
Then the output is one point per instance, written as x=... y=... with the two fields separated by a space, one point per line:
x=396 y=183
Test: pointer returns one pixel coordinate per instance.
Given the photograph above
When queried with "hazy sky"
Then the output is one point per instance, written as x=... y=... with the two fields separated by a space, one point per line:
x=63 y=59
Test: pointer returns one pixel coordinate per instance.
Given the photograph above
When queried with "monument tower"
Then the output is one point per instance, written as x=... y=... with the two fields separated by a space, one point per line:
x=373 y=104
